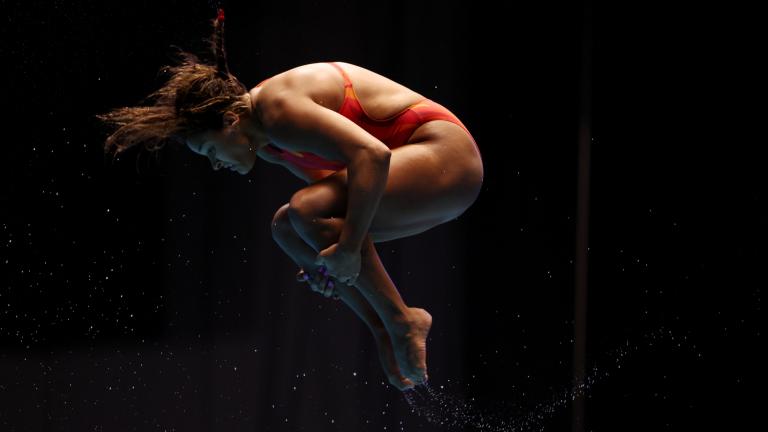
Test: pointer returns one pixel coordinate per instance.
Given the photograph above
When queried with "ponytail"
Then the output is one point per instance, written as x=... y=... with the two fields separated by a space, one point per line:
x=222 y=69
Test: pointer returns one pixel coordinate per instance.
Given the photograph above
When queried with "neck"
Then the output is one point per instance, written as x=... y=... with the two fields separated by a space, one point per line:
x=255 y=129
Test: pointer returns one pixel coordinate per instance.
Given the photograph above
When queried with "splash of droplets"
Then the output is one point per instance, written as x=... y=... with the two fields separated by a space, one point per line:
x=453 y=411
x=445 y=409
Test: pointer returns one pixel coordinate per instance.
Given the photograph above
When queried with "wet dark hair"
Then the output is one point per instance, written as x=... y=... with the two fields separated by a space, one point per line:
x=193 y=100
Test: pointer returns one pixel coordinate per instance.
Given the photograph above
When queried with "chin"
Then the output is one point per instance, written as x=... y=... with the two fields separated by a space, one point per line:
x=248 y=169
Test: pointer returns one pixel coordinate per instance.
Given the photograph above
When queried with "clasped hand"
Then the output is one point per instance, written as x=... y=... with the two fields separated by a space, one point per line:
x=342 y=264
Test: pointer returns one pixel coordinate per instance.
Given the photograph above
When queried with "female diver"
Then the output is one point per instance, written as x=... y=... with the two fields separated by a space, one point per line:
x=381 y=161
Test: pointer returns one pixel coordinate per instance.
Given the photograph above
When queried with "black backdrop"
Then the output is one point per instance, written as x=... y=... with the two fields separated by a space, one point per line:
x=157 y=300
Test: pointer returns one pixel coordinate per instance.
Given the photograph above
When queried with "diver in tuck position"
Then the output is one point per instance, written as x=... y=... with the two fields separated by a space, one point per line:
x=381 y=161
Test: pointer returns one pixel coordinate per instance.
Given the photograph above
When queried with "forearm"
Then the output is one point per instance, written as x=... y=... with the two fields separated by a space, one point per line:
x=307 y=174
x=366 y=181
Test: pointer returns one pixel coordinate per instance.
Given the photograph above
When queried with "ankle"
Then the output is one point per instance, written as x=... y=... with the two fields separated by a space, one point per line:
x=402 y=321
x=414 y=319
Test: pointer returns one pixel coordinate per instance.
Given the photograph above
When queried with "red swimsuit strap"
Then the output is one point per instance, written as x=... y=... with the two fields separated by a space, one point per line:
x=347 y=81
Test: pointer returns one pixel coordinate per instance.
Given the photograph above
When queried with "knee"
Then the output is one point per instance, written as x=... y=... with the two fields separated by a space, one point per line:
x=301 y=209
x=281 y=223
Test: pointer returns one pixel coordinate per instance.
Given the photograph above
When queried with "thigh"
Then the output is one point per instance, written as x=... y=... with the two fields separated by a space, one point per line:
x=425 y=188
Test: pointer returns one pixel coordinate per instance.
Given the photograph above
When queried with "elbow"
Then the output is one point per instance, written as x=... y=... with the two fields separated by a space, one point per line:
x=381 y=158
x=383 y=154
x=378 y=155
x=370 y=159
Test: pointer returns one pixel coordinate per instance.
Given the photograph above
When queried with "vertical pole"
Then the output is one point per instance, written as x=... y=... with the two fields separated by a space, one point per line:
x=582 y=221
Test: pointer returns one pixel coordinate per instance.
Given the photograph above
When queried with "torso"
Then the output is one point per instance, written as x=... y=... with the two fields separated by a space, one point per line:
x=379 y=96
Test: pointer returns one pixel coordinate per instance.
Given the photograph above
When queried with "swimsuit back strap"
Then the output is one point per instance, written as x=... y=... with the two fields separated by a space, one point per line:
x=347 y=81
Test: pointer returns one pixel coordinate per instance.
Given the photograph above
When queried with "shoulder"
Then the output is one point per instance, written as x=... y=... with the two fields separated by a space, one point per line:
x=319 y=82
x=300 y=78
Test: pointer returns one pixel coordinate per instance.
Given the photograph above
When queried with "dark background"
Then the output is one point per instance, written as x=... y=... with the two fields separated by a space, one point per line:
x=157 y=299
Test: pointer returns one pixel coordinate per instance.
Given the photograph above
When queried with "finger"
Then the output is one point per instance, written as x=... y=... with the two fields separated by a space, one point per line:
x=321 y=267
x=305 y=276
x=312 y=281
x=322 y=270
x=312 y=284
x=328 y=291
x=318 y=284
x=331 y=288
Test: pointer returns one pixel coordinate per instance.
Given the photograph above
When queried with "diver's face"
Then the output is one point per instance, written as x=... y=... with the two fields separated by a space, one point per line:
x=229 y=148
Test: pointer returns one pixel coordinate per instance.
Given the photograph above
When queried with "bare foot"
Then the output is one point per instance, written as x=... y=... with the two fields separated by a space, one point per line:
x=409 y=340
x=389 y=363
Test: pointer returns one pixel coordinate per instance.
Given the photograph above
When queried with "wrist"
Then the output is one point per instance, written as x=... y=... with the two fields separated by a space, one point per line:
x=347 y=248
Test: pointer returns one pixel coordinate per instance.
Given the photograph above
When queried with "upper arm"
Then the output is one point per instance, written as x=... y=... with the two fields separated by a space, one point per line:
x=307 y=174
x=295 y=122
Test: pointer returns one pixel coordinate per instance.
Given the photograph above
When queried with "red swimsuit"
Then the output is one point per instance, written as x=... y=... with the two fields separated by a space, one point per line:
x=393 y=131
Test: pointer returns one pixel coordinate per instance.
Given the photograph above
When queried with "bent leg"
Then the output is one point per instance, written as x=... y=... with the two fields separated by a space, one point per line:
x=304 y=255
x=438 y=152
x=374 y=281
x=407 y=327
x=422 y=191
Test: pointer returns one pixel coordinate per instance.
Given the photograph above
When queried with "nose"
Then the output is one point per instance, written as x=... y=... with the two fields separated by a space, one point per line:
x=216 y=164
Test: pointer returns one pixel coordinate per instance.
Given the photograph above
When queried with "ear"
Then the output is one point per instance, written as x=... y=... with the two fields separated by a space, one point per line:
x=230 y=119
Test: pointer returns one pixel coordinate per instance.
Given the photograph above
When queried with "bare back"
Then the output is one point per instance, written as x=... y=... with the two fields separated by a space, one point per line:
x=379 y=96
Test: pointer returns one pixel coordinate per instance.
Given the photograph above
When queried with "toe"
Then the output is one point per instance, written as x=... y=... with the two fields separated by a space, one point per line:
x=401 y=383
x=418 y=377
x=408 y=384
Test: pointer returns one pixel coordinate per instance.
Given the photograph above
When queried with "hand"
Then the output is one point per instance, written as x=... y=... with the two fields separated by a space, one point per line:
x=340 y=263
x=319 y=283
